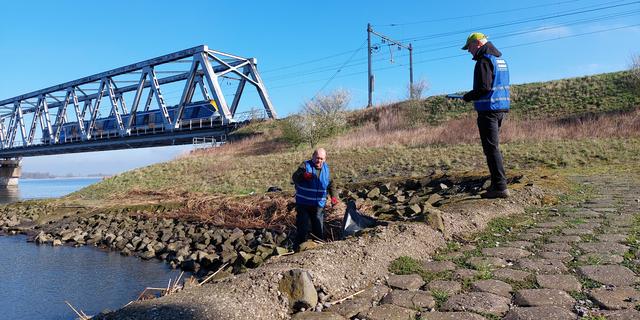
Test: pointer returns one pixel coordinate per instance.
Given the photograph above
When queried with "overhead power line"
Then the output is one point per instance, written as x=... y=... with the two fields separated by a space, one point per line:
x=465 y=54
x=449 y=45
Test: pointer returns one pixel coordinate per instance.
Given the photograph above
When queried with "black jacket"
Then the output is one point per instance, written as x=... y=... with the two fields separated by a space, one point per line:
x=483 y=73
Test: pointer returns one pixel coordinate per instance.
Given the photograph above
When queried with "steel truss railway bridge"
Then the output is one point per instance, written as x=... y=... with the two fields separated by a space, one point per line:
x=125 y=108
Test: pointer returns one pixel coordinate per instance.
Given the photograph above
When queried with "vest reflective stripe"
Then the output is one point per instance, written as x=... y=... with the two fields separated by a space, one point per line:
x=499 y=96
x=314 y=192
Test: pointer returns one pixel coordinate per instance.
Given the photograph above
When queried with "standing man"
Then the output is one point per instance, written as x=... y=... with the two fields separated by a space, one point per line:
x=313 y=183
x=490 y=96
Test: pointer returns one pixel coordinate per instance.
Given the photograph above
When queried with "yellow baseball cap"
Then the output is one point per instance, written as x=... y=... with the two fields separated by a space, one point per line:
x=472 y=37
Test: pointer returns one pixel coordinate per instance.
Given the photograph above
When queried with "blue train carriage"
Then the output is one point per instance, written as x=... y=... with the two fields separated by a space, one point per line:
x=105 y=127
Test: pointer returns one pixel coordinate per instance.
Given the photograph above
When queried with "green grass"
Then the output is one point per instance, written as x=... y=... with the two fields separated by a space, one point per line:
x=407 y=265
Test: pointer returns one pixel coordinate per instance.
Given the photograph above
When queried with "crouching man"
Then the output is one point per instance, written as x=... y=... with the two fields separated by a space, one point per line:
x=313 y=184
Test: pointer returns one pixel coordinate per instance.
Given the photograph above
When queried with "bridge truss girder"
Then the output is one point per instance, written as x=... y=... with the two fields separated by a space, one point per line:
x=207 y=68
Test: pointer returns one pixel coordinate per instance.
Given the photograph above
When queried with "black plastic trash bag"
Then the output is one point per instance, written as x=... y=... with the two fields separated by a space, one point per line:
x=355 y=221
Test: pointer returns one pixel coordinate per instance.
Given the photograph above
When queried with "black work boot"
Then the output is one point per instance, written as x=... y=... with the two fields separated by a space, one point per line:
x=493 y=194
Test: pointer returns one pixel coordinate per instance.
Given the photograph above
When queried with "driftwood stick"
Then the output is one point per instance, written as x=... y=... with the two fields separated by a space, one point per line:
x=347 y=297
x=211 y=276
x=80 y=315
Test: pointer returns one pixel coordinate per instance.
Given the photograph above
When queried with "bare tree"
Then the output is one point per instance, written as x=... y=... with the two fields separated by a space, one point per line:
x=321 y=117
x=635 y=70
x=418 y=89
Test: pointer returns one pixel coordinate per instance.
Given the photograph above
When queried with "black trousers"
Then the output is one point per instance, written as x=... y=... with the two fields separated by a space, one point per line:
x=489 y=126
x=309 y=218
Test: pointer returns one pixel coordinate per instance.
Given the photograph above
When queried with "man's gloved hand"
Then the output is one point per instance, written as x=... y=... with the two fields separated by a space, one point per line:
x=334 y=201
x=307 y=176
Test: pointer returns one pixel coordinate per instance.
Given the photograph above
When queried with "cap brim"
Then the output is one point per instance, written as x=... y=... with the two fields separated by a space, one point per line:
x=466 y=46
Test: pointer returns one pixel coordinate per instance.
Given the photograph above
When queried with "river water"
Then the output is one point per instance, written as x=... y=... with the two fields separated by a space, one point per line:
x=35 y=281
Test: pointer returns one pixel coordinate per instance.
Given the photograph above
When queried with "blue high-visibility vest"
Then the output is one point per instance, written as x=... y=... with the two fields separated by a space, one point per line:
x=314 y=192
x=498 y=98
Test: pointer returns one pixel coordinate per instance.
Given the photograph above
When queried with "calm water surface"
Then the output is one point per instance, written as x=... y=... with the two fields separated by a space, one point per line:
x=35 y=281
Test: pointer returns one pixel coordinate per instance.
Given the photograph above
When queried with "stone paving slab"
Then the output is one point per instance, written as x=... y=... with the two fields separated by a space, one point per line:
x=543 y=297
x=449 y=287
x=464 y=274
x=451 y=316
x=389 y=312
x=556 y=247
x=405 y=282
x=629 y=314
x=556 y=255
x=584 y=214
x=438 y=266
x=603 y=247
x=615 y=298
x=577 y=232
x=614 y=275
x=487 y=262
x=507 y=274
x=600 y=258
x=616 y=237
x=542 y=266
x=540 y=313
x=565 y=239
x=529 y=236
x=519 y=244
x=506 y=253
x=317 y=316
x=552 y=224
x=481 y=302
x=417 y=300
x=542 y=230
x=496 y=287
x=564 y=282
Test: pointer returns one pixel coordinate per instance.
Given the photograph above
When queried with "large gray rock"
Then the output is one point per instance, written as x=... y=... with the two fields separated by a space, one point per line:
x=496 y=287
x=615 y=298
x=405 y=282
x=298 y=287
x=481 y=302
x=563 y=282
x=543 y=297
x=614 y=275
x=416 y=300
x=389 y=312
x=540 y=313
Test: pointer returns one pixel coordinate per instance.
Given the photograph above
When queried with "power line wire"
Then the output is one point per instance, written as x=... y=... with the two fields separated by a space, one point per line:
x=340 y=69
x=447 y=45
x=462 y=55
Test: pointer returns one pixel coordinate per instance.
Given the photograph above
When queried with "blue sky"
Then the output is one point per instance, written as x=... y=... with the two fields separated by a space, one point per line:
x=301 y=45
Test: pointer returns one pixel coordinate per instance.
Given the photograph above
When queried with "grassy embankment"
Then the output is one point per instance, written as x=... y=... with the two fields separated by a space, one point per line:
x=587 y=123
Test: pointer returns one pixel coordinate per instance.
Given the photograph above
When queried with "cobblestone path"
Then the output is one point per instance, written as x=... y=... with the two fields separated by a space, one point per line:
x=579 y=260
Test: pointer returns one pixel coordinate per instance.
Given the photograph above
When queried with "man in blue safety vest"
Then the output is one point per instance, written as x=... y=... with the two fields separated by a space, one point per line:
x=491 y=99
x=313 y=185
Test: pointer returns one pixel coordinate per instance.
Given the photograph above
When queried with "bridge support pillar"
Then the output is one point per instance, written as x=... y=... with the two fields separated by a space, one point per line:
x=10 y=171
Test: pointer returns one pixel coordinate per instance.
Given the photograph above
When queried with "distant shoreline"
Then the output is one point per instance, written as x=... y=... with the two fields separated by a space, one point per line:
x=65 y=178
